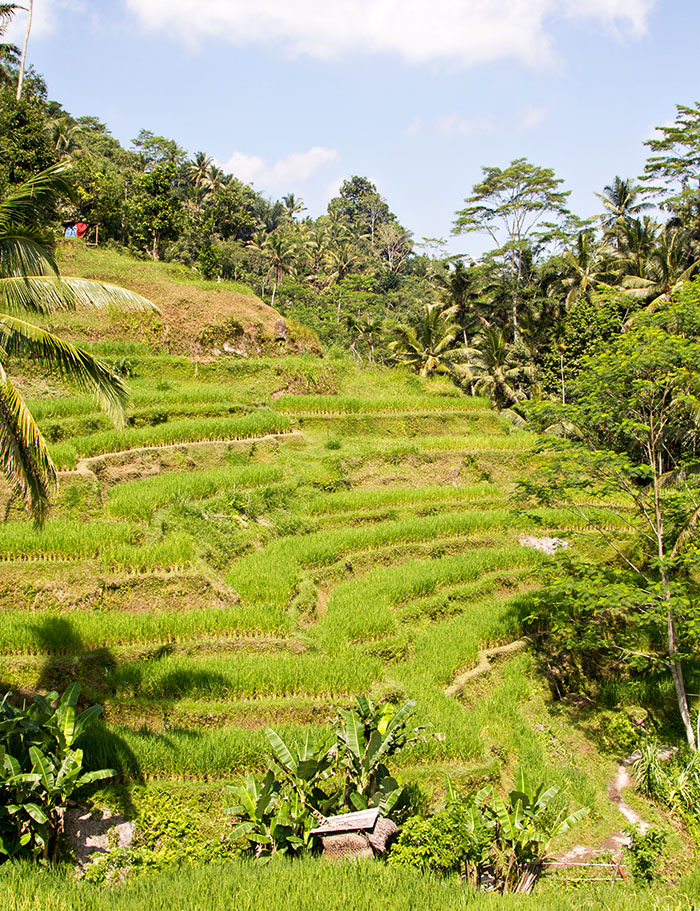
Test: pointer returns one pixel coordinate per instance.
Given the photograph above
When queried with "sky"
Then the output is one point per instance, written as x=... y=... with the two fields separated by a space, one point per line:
x=417 y=95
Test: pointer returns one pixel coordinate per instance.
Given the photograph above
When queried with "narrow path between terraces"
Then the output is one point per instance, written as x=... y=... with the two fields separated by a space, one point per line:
x=578 y=853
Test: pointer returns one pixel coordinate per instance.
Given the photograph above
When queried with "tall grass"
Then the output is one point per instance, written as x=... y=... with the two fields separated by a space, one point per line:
x=245 y=674
x=256 y=423
x=360 y=609
x=65 y=538
x=345 y=404
x=351 y=500
x=315 y=884
x=141 y=498
x=49 y=632
x=270 y=574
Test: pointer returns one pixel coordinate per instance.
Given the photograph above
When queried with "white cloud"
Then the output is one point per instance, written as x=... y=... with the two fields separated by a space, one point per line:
x=45 y=18
x=531 y=117
x=292 y=170
x=454 y=125
x=463 y=31
x=527 y=118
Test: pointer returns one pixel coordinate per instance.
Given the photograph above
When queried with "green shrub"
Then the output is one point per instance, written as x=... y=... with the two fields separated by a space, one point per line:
x=645 y=852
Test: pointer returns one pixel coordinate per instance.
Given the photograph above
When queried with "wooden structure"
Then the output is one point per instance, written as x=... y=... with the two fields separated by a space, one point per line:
x=361 y=834
x=587 y=872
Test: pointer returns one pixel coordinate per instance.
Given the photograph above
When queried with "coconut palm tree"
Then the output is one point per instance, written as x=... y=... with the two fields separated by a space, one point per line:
x=427 y=344
x=500 y=369
x=23 y=58
x=279 y=251
x=622 y=202
x=585 y=266
x=30 y=284
x=638 y=237
x=10 y=54
x=293 y=205
x=668 y=267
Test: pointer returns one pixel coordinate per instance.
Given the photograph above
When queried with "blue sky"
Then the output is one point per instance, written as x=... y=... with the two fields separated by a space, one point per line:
x=295 y=95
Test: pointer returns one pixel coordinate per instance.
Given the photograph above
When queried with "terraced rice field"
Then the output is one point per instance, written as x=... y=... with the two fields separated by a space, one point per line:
x=265 y=539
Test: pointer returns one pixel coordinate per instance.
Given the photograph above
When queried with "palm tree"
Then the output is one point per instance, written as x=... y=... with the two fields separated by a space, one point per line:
x=585 y=267
x=427 y=344
x=280 y=252
x=30 y=283
x=10 y=54
x=23 y=58
x=502 y=370
x=622 y=201
x=638 y=238
x=668 y=267
x=342 y=259
x=65 y=135
x=294 y=205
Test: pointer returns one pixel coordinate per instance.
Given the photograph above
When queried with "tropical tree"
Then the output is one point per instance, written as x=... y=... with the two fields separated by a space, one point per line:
x=673 y=172
x=636 y=420
x=622 y=200
x=502 y=370
x=427 y=343
x=638 y=241
x=9 y=53
x=584 y=267
x=667 y=268
x=30 y=284
x=509 y=204
x=23 y=57
x=279 y=250
x=294 y=205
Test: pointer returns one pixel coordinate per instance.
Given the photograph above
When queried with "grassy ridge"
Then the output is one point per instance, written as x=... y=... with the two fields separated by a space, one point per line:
x=257 y=423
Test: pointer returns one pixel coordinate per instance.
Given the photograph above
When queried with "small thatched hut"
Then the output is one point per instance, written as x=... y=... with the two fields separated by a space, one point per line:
x=362 y=834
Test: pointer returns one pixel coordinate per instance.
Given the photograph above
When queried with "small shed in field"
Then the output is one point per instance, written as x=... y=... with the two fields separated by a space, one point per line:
x=361 y=834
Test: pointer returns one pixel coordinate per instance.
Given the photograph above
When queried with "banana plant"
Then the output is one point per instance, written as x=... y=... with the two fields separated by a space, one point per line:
x=524 y=832
x=41 y=769
x=278 y=814
x=366 y=737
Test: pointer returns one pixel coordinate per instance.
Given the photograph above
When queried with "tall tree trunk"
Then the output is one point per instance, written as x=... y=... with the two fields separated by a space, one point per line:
x=672 y=643
x=23 y=60
x=563 y=387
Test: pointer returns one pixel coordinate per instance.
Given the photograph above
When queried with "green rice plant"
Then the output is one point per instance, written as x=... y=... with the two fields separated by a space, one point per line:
x=245 y=674
x=344 y=404
x=50 y=632
x=361 y=609
x=62 y=406
x=270 y=574
x=177 y=551
x=141 y=498
x=256 y=423
x=19 y=539
x=313 y=884
x=355 y=500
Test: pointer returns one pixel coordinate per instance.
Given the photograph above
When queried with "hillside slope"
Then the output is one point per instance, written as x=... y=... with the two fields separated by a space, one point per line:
x=266 y=539
x=201 y=318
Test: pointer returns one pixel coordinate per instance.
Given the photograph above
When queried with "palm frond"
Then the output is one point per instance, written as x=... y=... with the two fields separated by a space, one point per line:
x=687 y=532
x=34 y=196
x=24 y=457
x=21 y=338
x=47 y=294
x=26 y=251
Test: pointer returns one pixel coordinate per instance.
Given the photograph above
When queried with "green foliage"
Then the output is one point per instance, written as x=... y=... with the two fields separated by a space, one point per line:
x=278 y=814
x=645 y=852
x=367 y=736
x=41 y=768
x=457 y=839
x=483 y=832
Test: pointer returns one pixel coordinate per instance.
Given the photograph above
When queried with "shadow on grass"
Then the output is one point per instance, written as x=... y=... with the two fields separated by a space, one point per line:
x=65 y=663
